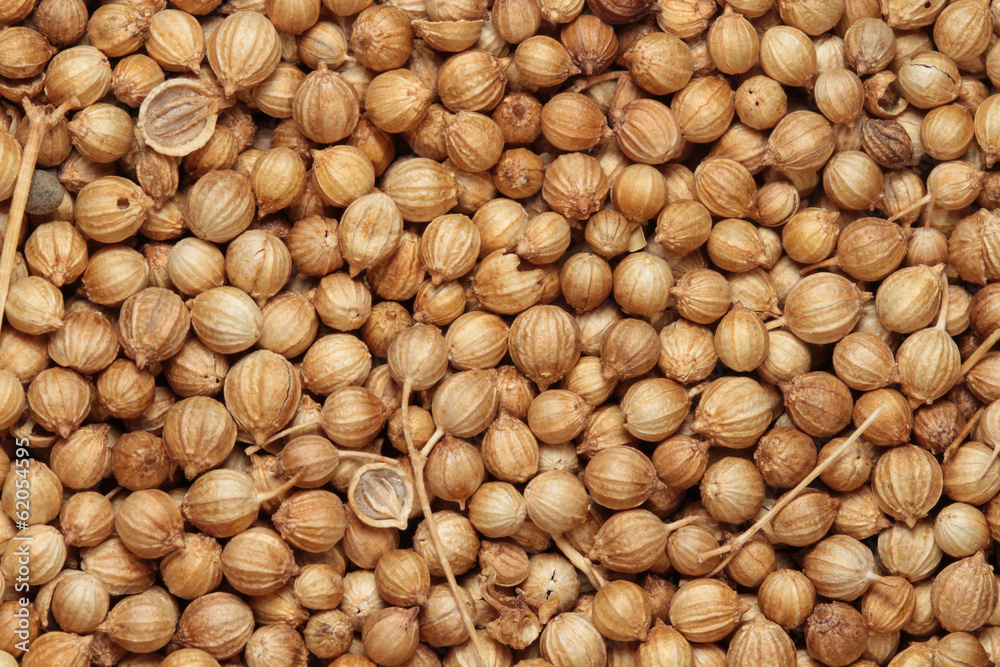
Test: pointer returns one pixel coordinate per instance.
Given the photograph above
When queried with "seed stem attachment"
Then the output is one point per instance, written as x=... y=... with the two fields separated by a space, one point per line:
x=292 y=430
x=980 y=352
x=734 y=545
x=698 y=390
x=579 y=562
x=418 y=459
x=942 y=318
x=993 y=457
x=680 y=523
x=833 y=261
x=350 y=454
x=41 y=122
x=960 y=438
x=278 y=490
x=926 y=199
x=587 y=82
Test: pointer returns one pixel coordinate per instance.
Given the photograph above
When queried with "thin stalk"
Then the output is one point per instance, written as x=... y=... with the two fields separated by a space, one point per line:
x=680 y=523
x=917 y=204
x=291 y=430
x=41 y=122
x=583 y=84
x=833 y=261
x=736 y=544
x=775 y=324
x=429 y=445
x=698 y=389
x=980 y=352
x=960 y=438
x=418 y=459
x=352 y=454
x=278 y=490
x=344 y=453
x=578 y=561
x=993 y=457
x=942 y=319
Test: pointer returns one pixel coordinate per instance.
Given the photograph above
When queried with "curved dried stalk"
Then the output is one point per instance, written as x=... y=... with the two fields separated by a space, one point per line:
x=584 y=83
x=418 y=459
x=809 y=268
x=40 y=123
x=344 y=453
x=276 y=492
x=942 y=318
x=597 y=579
x=680 y=523
x=968 y=365
x=374 y=458
x=291 y=430
x=963 y=434
x=993 y=457
x=734 y=545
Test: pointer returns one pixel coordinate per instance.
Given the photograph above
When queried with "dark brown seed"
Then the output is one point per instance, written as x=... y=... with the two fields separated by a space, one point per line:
x=887 y=142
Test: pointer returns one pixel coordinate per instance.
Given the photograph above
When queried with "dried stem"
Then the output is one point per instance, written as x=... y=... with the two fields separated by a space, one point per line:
x=775 y=324
x=41 y=122
x=278 y=490
x=253 y=449
x=993 y=457
x=699 y=389
x=433 y=440
x=833 y=261
x=352 y=454
x=980 y=352
x=581 y=563
x=734 y=545
x=942 y=320
x=292 y=430
x=583 y=84
x=926 y=213
x=680 y=523
x=418 y=459
x=926 y=199
x=960 y=438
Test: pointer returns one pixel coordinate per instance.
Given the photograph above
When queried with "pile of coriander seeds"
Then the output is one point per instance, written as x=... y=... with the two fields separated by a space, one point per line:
x=499 y=333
